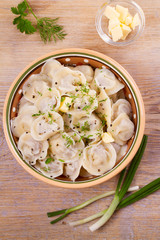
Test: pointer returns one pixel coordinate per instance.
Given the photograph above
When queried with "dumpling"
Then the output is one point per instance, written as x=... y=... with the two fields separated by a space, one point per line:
x=122 y=129
x=84 y=102
x=72 y=169
x=121 y=106
x=46 y=126
x=105 y=79
x=88 y=127
x=104 y=107
x=50 y=100
x=52 y=169
x=118 y=95
x=35 y=86
x=31 y=149
x=67 y=80
x=86 y=70
x=120 y=150
x=23 y=103
x=99 y=158
x=68 y=121
x=66 y=147
x=51 y=67
x=22 y=123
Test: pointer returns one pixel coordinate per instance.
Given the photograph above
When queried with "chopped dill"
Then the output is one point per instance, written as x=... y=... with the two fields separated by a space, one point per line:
x=61 y=160
x=49 y=160
x=37 y=114
x=85 y=127
x=39 y=93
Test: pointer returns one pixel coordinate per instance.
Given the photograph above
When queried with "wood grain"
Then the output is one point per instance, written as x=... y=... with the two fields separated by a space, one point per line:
x=25 y=200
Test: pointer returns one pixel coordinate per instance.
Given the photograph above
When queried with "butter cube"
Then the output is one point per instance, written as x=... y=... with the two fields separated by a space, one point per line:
x=116 y=33
x=66 y=104
x=107 y=137
x=123 y=12
x=128 y=20
x=136 y=21
x=126 y=30
x=112 y=24
x=111 y=13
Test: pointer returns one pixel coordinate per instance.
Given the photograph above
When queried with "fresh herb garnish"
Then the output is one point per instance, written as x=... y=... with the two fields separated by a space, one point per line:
x=66 y=126
x=50 y=89
x=46 y=169
x=62 y=99
x=85 y=127
x=68 y=105
x=89 y=136
x=103 y=122
x=103 y=100
x=39 y=93
x=49 y=160
x=53 y=107
x=69 y=140
x=74 y=97
x=51 y=119
x=49 y=115
x=84 y=89
x=91 y=100
x=37 y=114
x=77 y=125
x=69 y=115
x=47 y=27
x=61 y=160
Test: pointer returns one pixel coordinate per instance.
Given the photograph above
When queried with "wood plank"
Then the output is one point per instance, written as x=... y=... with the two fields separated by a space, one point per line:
x=25 y=200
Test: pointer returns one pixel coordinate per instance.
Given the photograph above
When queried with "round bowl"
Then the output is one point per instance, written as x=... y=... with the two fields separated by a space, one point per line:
x=101 y=22
x=77 y=57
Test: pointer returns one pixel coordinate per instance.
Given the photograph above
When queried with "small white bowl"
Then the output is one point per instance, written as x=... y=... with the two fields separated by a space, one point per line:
x=102 y=22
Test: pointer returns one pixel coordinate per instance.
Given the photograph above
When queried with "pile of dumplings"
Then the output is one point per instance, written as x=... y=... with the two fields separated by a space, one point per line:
x=63 y=115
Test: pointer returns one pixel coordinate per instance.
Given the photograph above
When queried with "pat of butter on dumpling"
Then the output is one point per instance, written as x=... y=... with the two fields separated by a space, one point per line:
x=107 y=137
x=123 y=12
x=66 y=104
x=111 y=13
x=136 y=21
x=116 y=33
x=126 y=30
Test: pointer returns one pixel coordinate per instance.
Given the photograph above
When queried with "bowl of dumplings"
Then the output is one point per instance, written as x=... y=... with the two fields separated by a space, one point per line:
x=74 y=118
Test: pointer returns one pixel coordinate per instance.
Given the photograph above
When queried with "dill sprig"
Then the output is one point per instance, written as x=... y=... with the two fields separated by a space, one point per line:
x=48 y=28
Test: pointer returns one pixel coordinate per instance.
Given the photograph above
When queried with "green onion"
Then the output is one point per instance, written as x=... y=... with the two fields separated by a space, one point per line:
x=127 y=181
x=142 y=193
x=84 y=204
x=118 y=201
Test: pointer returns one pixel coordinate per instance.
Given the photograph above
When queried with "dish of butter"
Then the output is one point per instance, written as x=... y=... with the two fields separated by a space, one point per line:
x=121 y=22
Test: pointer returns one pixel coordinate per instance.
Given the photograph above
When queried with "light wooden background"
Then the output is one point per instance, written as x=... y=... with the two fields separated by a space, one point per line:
x=25 y=200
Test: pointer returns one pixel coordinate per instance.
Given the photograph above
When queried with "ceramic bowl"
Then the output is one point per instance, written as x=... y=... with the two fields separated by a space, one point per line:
x=77 y=57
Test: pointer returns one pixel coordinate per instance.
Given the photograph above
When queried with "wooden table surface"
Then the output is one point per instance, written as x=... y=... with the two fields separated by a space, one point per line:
x=25 y=200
